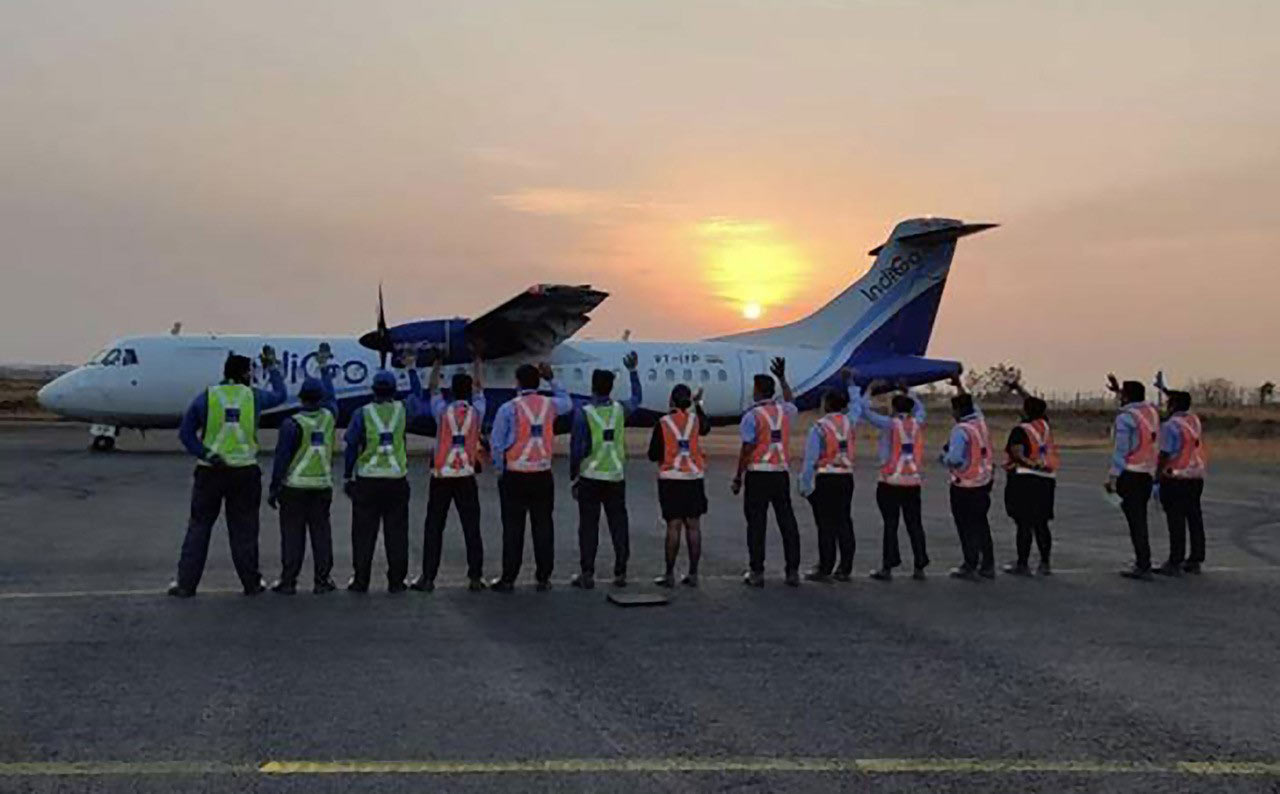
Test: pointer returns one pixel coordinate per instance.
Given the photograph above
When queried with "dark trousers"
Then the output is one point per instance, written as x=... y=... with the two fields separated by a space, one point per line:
x=380 y=501
x=970 y=508
x=241 y=489
x=1135 y=491
x=832 y=503
x=612 y=496
x=305 y=511
x=762 y=489
x=1180 y=499
x=904 y=501
x=1026 y=531
x=462 y=492
x=530 y=495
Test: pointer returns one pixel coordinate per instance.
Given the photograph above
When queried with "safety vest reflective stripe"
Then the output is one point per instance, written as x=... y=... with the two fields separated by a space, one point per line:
x=836 y=456
x=1043 y=450
x=1191 y=461
x=682 y=447
x=532 y=448
x=311 y=467
x=457 y=441
x=608 y=446
x=1142 y=458
x=977 y=470
x=231 y=424
x=906 y=446
x=384 y=451
x=773 y=429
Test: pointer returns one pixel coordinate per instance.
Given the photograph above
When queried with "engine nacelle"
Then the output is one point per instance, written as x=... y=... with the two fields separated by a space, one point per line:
x=447 y=336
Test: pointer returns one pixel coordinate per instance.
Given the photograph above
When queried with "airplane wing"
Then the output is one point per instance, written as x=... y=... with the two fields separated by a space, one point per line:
x=535 y=321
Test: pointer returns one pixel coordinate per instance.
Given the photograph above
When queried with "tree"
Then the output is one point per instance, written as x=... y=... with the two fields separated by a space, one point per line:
x=1265 y=392
x=1217 y=392
x=990 y=382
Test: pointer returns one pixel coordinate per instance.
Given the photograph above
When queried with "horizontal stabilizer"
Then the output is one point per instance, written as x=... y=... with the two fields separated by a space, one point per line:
x=535 y=321
x=934 y=236
x=913 y=370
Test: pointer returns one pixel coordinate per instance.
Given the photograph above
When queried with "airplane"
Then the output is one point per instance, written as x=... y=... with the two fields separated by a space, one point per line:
x=880 y=324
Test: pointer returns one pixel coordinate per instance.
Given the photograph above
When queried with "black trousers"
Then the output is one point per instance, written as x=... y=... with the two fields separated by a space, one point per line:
x=305 y=511
x=612 y=497
x=1180 y=499
x=904 y=501
x=240 y=488
x=531 y=496
x=832 y=503
x=465 y=495
x=970 y=508
x=1135 y=492
x=1029 y=500
x=380 y=501
x=762 y=489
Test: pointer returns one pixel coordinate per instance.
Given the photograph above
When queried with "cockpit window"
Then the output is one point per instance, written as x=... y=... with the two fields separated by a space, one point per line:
x=111 y=358
x=115 y=356
x=130 y=357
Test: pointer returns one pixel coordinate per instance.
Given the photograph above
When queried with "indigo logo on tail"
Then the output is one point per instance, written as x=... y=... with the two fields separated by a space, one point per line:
x=896 y=270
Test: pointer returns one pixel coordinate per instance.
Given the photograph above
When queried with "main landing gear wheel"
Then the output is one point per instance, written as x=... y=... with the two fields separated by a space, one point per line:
x=104 y=438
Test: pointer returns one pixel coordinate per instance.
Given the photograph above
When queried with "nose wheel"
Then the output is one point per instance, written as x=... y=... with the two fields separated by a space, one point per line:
x=104 y=438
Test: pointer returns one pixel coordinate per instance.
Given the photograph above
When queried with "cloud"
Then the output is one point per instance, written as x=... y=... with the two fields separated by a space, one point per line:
x=601 y=206
x=504 y=157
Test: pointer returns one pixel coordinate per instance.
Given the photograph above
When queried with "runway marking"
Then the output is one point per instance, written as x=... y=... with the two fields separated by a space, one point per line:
x=674 y=765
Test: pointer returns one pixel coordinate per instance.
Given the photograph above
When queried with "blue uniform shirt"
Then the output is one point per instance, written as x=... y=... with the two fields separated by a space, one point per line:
x=882 y=422
x=580 y=438
x=291 y=435
x=1170 y=438
x=747 y=427
x=197 y=414
x=813 y=442
x=416 y=408
x=957 y=451
x=503 y=434
x=1126 y=438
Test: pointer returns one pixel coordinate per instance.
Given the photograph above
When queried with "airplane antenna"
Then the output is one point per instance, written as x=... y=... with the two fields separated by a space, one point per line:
x=176 y=329
x=626 y=335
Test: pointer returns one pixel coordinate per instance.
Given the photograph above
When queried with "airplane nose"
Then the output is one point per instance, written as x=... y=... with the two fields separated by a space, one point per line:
x=52 y=395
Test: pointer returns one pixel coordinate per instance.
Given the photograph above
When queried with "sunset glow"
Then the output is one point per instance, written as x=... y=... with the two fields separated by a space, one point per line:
x=748 y=265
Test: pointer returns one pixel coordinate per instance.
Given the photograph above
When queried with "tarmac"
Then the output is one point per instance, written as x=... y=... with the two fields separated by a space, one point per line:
x=1082 y=681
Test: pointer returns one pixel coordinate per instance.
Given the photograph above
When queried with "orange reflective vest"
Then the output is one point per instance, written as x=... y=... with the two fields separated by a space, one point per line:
x=906 y=447
x=682 y=457
x=773 y=438
x=457 y=441
x=535 y=419
x=1142 y=458
x=977 y=470
x=836 y=456
x=1190 y=462
x=1042 y=450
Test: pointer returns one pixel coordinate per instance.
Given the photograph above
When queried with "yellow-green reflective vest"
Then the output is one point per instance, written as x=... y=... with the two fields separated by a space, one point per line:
x=312 y=464
x=231 y=424
x=384 y=450
x=608 y=442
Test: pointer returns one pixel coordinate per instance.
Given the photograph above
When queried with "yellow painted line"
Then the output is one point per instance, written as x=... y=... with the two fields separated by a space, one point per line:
x=1264 y=768
x=108 y=768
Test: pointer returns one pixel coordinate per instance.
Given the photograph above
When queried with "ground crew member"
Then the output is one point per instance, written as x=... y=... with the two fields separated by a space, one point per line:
x=676 y=446
x=453 y=473
x=302 y=483
x=597 y=465
x=967 y=456
x=1032 y=465
x=220 y=428
x=521 y=441
x=826 y=479
x=1182 y=464
x=764 y=459
x=1133 y=467
x=901 y=448
x=376 y=478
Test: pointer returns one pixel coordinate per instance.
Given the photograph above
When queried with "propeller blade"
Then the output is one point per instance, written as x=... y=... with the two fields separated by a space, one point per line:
x=384 y=336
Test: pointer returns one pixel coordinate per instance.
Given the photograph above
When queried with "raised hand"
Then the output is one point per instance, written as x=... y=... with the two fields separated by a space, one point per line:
x=847 y=374
x=778 y=366
x=630 y=360
x=1113 y=383
x=697 y=395
x=323 y=355
x=1159 y=383
x=544 y=370
x=268 y=357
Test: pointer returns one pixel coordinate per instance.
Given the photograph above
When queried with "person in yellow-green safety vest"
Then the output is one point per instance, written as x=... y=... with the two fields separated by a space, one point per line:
x=302 y=482
x=597 y=459
x=220 y=428
x=375 y=478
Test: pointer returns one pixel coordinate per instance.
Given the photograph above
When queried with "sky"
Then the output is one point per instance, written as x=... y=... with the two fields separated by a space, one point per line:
x=260 y=167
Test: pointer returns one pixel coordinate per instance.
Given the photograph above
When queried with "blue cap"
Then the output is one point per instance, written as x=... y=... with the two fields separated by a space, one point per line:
x=384 y=381
x=311 y=389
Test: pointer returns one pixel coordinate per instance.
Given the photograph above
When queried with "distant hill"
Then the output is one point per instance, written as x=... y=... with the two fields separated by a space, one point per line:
x=24 y=371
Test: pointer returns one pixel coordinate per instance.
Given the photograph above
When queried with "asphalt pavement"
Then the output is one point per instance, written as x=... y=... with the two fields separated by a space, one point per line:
x=1081 y=681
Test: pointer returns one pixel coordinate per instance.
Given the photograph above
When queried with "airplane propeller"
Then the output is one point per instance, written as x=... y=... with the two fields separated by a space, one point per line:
x=380 y=339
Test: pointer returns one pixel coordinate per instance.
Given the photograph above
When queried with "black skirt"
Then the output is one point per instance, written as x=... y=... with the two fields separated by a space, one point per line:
x=682 y=499
x=1029 y=497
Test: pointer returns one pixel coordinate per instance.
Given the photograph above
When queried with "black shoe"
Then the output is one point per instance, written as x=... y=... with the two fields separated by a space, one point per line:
x=966 y=574
x=1141 y=574
x=1191 y=567
x=792 y=579
x=987 y=573
x=178 y=591
x=1044 y=569
x=583 y=581
x=423 y=585
x=619 y=580
x=665 y=580
x=542 y=585
x=842 y=576
x=689 y=580
x=357 y=587
x=324 y=586
x=817 y=576
x=919 y=575
x=476 y=585
x=753 y=579
x=501 y=585
x=1017 y=569
x=1172 y=569
x=882 y=575
x=396 y=587
x=284 y=588
x=256 y=588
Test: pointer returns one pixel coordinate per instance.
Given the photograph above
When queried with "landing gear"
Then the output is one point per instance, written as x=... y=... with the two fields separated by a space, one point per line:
x=104 y=437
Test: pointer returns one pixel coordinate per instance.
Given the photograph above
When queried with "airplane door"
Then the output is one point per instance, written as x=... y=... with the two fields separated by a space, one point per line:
x=750 y=364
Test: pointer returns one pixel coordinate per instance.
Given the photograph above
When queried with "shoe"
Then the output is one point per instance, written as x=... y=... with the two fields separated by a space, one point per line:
x=665 y=580
x=582 y=581
x=1044 y=570
x=1017 y=569
x=423 y=585
x=987 y=573
x=689 y=580
x=284 y=588
x=1141 y=574
x=255 y=588
x=842 y=576
x=753 y=579
x=501 y=585
x=1191 y=568
x=178 y=591
x=476 y=585
x=919 y=575
x=882 y=575
x=620 y=580
x=324 y=586
x=1168 y=569
x=396 y=587
x=793 y=579
x=542 y=585
x=817 y=576
x=357 y=587
x=967 y=574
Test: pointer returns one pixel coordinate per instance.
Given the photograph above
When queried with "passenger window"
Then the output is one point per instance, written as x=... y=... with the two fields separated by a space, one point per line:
x=577 y=373
x=111 y=358
x=724 y=376
x=130 y=357
x=653 y=374
x=704 y=376
x=671 y=374
x=688 y=374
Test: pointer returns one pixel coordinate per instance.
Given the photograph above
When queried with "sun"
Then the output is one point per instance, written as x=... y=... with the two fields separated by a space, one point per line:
x=751 y=311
